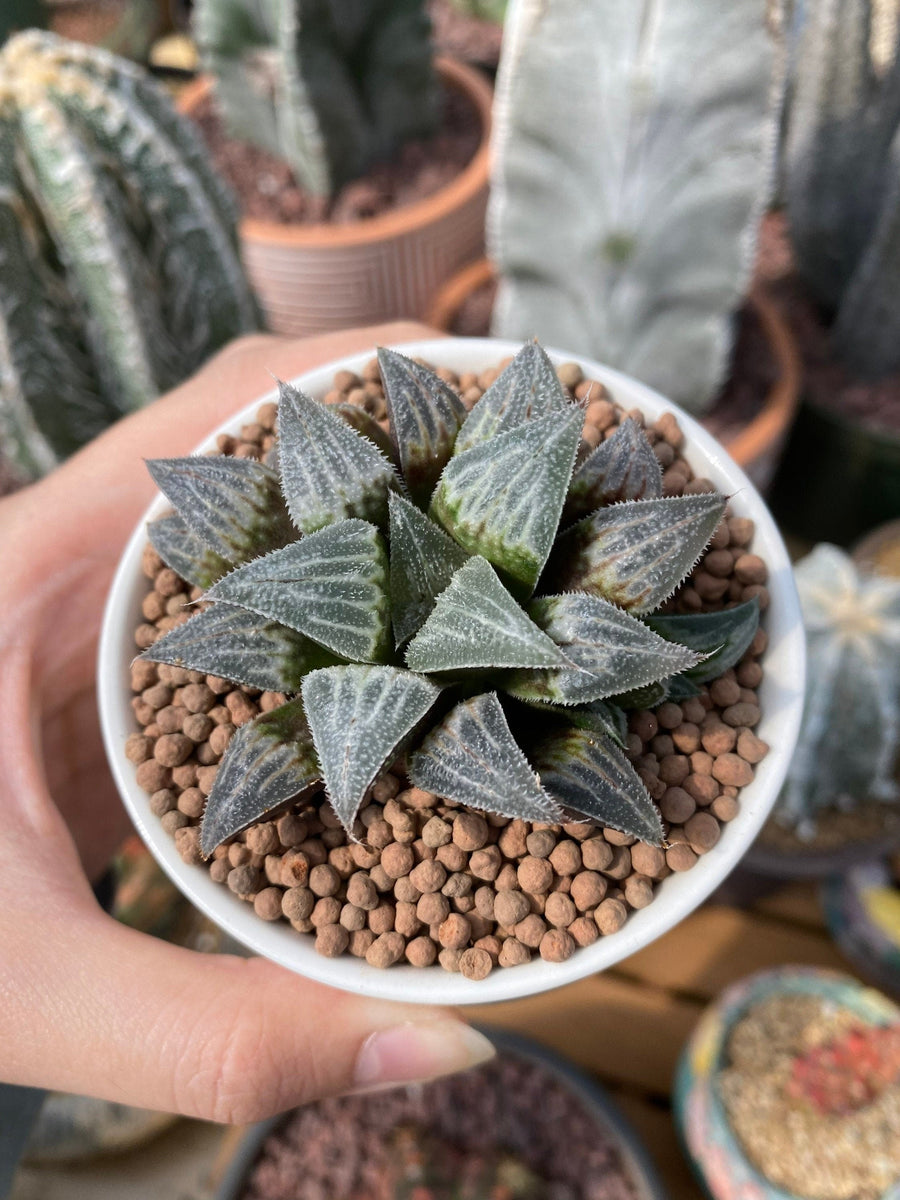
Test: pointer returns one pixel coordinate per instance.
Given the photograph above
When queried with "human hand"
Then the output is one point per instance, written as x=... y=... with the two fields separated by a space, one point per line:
x=90 y=1005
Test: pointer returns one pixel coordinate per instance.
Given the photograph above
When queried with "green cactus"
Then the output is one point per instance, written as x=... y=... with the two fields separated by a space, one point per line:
x=119 y=266
x=842 y=180
x=634 y=145
x=330 y=86
x=484 y=10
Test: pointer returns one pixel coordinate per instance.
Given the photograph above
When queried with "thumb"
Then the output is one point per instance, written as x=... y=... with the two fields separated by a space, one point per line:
x=139 y=1021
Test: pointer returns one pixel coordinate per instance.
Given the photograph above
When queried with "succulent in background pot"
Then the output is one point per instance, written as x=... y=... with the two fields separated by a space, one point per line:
x=496 y=482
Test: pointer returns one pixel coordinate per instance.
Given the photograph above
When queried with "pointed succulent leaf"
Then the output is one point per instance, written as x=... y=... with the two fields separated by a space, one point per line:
x=241 y=646
x=503 y=498
x=682 y=687
x=328 y=470
x=623 y=467
x=724 y=637
x=360 y=716
x=635 y=554
x=423 y=561
x=586 y=771
x=426 y=415
x=644 y=697
x=331 y=586
x=599 y=715
x=475 y=624
x=357 y=418
x=609 y=648
x=527 y=389
x=473 y=759
x=187 y=555
x=232 y=504
x=269 y=760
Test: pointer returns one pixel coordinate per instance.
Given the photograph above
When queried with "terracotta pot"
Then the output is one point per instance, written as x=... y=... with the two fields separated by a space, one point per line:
x=757 y=447
x=313 y=278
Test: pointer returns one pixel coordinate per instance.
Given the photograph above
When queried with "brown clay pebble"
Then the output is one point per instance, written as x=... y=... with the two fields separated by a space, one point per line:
x=540 y=843
x=731 y=769
x=267 y=904
x=295 y=869
x=596 y=854
x=559 y=910
x=512 y=839
x=455 y=932
x=513 y=953
x=475 y=963
x=173 y=821
x=162 y=802
x=138 y=748
x=530 y=930
x=244 y=881
x=638 y=891
x=332 y=940
x=557 y=945
x=297 y=903
x=449 y=960
x=381 y=919
x=565 y=858
x=535 y=875
x=725 y=808
x=397 y=860
x=470 y=831
x=360 y=941
x=191 y=802
x=648 y=860
x=428 y=876
x=676 y=805
x=187 y=843
x=421 y=952
x=326 y=911
x=610 y=916
x=172 y=749
x=510 y=907
x=437 y=832
x=703 y=831
x=680 y=857
x=486 y=863
x=352 y=918
x=588 y=889
x=751 y=748
x=584 y=931
x=433 y=908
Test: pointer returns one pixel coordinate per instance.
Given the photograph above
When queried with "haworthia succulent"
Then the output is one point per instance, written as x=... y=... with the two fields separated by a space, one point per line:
x=661 y=113
x=588 y=772
x=636 y=553
x=472 y=758
x=231 y=504
x=186 y=553
x=357 y=418
x=503 y=498
x=269 y=761
x=328 y=471
x=623 y=467
x=476 y=624
x=423 y=561
x=359 y=717
x=723 y=637
x=331 y=586
x=242 y=646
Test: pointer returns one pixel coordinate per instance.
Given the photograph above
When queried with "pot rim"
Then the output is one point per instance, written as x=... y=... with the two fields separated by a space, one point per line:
x=399 y=221
x=678 y=895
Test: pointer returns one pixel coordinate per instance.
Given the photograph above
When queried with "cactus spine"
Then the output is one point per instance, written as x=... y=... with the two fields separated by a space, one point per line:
x=119 y=266
x=328 y=86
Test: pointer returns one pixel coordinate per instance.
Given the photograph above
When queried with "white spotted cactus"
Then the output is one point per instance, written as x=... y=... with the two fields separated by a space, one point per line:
x=428 y=605
x=850 y=735
x=329 y=87
x=119 y=265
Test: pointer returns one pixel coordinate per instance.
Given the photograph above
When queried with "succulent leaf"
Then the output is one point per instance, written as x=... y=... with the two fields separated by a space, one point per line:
x=610 y=650
x=426 y=415
x=472 y=758
x=723 y=637
x=636 y=553
x=586 y=771
x=503 y=498
x=644 y=697
x=329 y=471
x=360 y=716
x=331 y=586
x=242 y=646
x=423 y=561
x=357 y=418
x=231 y=504
x=682 y=687
x=527 y=389
x=268 y=761
x=187 y=555
x=623 y=467
x=476 y=624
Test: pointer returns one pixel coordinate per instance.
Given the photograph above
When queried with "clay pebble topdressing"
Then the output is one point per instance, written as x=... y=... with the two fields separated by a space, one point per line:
x=430 y=881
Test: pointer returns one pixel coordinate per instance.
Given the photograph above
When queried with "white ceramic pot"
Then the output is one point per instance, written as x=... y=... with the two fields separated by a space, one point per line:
x=781 y=699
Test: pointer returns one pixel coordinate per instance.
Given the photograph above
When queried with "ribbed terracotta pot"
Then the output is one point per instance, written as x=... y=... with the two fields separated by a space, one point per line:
x=314 y=278
x=757 y=446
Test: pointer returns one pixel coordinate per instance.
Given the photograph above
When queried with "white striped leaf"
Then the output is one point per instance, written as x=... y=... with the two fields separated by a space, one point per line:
x=423 y=561
x=329 y=471
x=426 y=415
x=528 y=388
x=635 y=554
x=268 y=761
x=648 y=696
x=611 y=650
x=360 y=717
x=586 y=771
x=476 y=624
x=503 y=498
x=187 y=555
x=241 y=646
x=472 y=758
x=331 y=586
x=623 y=467
x=357 y=418
x=232 y=504
x=724 y=637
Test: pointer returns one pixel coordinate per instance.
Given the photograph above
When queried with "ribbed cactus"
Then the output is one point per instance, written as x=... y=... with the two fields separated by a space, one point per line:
x=851 y=724
x=842 y=180
x=119 y=266
x=633 y=152
x=331 y=86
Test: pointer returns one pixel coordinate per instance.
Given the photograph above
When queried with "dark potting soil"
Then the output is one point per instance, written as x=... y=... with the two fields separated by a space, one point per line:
x=341 y=1149
x=465 y=37
x=267 y=190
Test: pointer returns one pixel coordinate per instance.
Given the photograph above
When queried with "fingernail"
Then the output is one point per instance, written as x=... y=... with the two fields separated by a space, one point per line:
x=418 y=1052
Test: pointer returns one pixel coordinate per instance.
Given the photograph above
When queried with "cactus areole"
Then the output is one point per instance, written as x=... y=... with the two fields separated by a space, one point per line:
x=477 y=600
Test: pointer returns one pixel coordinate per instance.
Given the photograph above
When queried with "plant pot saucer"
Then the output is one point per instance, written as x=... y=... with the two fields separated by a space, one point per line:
x=806 y=861
x=780 y=698
x=591 y=1096
x=862 y=911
